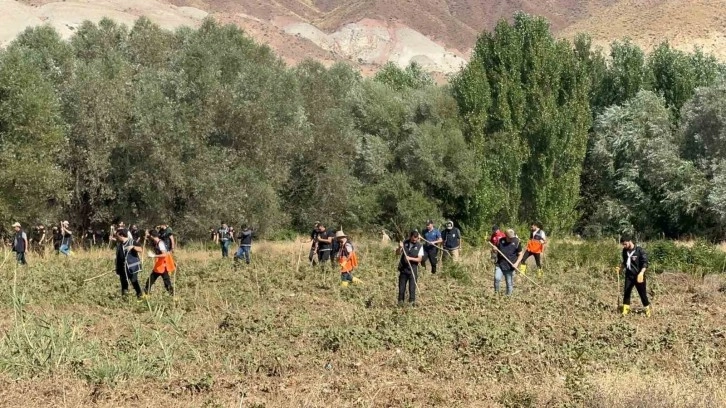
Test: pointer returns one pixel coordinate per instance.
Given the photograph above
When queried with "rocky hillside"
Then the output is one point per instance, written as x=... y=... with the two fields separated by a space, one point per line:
x=438 y=34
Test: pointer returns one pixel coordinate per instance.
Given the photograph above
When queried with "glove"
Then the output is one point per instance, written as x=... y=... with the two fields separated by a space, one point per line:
x=617 y=270
x=641 y=277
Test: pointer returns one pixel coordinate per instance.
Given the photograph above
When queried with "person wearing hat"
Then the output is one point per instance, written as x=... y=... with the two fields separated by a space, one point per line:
x=432 y=240
x=635 y=263
x=20 y=244
x=245 y=245
x=67 y=240
x=347 y=259
x=509 y=257
x=452 y=241
x=412 y=254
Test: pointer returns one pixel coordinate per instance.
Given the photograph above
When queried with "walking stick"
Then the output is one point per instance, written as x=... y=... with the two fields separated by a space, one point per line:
x=510 y=263
x=96 y=277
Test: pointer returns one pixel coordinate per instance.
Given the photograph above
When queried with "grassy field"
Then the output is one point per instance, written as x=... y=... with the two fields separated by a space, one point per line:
x=281 y=334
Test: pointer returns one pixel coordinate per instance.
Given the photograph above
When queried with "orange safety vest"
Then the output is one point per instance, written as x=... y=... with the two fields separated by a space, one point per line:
x=536 y=243
x=347 y=261
x=165 y=263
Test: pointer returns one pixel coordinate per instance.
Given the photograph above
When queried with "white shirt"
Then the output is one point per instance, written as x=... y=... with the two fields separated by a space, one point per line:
x=162 y=247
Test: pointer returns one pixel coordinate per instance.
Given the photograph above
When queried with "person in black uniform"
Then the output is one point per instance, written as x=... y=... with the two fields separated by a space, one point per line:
x=635 y=263
x=412 y=254
x=325 y=244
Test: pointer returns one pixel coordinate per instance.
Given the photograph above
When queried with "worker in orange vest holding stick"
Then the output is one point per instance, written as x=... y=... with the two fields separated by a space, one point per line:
x=347 y=259
x=535 y=247
x=164 y=264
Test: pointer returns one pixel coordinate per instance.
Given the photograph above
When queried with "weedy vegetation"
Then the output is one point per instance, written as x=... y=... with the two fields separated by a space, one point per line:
x=280 y=333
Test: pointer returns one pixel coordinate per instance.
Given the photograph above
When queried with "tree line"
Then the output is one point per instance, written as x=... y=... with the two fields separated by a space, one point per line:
x=200 y=125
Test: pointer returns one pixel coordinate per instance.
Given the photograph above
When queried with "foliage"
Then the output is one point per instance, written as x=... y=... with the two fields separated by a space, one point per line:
x=200 y=125
x=524 y=96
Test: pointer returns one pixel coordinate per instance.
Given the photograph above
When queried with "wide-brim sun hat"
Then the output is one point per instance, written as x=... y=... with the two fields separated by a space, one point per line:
x=17 y=224
x=340 y=234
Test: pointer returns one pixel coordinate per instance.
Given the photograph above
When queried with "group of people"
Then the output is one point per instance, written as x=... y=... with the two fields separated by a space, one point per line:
x=61 y=237
x=130 y=245
x=420 y=248
x=224 y=236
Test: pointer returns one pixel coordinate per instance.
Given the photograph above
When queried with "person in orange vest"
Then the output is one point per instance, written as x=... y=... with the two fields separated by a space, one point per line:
x=535 y=246
x=347 y=259
x=164 y=264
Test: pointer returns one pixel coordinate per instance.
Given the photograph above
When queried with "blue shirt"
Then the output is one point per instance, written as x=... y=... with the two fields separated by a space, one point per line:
x=431 y=236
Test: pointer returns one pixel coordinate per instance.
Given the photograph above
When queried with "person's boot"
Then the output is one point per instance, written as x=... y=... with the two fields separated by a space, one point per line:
x=124 y=294
x=626 y=309
x=357 y=281
x=344 y=284
x=647 y=311
x=523 y=269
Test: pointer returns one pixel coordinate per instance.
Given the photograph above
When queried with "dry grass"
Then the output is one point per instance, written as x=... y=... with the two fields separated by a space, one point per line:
x=275 y=336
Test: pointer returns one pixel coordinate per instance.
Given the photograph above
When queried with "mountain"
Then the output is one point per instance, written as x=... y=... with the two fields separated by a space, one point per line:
x=438 y=34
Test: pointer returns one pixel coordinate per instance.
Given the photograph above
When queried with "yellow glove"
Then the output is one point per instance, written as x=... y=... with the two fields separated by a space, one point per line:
x=617 y=270
x=641 y=277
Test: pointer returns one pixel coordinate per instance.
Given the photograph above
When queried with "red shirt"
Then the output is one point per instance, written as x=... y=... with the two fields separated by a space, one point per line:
x=496 y=237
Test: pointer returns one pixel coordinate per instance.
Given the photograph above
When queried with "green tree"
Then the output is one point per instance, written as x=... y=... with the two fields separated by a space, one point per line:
x=530 y=131
x=32 y=142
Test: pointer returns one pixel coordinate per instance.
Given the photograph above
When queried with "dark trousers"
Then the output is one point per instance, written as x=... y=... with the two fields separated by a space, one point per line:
x=20 y=257
x=125 y=278
x=537 y=258
x=630 y=282
x=324 y=256
x=430 y=254
x=165 y=277
x=410 y=279
x=225 y=248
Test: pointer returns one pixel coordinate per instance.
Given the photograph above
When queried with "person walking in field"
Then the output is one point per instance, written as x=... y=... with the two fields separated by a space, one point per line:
x=89 y=239
x=164 y=265
x=245 y=245
x=167 y=235
x=223 y=239
x=20 y=244
x=509 y=257
x=452 y=242
x=57 y=239
x=412 y=254
x=67 y=238
x=432 y=240
x=314 y=244
x=347 y=259
x=128 y=262
x=38 y=241
x=634 y=265
x=325 y=244
x=494 y=239
x=535 y=247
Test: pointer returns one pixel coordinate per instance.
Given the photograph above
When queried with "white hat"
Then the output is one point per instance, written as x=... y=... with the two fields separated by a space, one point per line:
x=17 y=224
x=340 y=234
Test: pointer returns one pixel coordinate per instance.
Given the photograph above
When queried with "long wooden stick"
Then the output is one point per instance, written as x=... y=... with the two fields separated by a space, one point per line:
x=96 y=277
x=510 y=263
